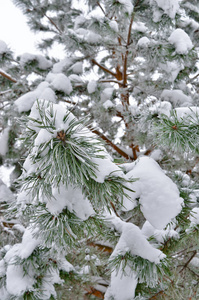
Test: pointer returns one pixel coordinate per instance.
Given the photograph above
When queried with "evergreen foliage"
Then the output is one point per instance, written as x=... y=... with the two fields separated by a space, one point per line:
x=103 y=146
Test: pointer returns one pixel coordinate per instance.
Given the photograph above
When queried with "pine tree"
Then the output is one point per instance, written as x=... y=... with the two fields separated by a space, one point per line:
x=106 y=198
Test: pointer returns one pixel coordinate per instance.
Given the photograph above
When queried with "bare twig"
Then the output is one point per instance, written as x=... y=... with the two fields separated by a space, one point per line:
x=193 y=78
x=116 y=148
x=157 y=294
x=103 y=68
x=4 y=74
x=5 y=92
x=110 y=80
x=127 y=52
x=192 y=256
x=53 y=23
x=101 y=8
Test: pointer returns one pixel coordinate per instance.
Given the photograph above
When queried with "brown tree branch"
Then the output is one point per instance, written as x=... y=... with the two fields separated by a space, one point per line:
x=127 y=52
x=103 y=68
x=116 y=148
x=7 y=76
x=53 y=23
x=193 y=78
x=101 y=8
x=192 y=256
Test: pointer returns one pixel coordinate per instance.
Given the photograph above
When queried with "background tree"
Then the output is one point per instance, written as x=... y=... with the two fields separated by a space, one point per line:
x=132 y=66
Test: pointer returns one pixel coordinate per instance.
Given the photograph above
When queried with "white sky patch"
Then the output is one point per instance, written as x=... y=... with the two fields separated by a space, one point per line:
x=16 y=34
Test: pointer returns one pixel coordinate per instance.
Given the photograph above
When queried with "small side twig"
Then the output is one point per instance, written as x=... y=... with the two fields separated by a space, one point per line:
x=186 y=264
x=4 y=74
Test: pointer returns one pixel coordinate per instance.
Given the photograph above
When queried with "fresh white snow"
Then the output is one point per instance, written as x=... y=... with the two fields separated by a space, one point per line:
x=123 y=285
x=43 y=63
x=170 y=7
x=128 y=6
x=3 y=47
x=176 y=97
x=91 y=87
x=4 y=135
x=143 y=42
x=26 y=101
x=59 y=82
x=73 y=199
x=181 y=41
x=5 y=193
x=159 y=195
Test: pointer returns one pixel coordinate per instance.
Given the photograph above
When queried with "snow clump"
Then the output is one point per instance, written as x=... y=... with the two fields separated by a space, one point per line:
x=170 y=7
x=128 y=6
x=3 y=47
x=43 y=63
x=176 y=97
x=181 y=41
x=143 y=42
x=158 y=194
